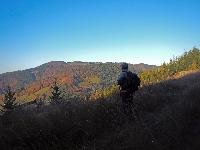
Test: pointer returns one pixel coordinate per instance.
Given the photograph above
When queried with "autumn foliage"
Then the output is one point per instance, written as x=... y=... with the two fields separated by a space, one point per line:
x=169 y=112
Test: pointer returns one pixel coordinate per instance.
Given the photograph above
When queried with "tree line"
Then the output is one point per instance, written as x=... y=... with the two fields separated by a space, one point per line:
x=188 y=61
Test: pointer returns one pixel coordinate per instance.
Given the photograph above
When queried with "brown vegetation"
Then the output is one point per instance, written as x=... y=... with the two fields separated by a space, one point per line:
x=169 y=115
x=79 y=77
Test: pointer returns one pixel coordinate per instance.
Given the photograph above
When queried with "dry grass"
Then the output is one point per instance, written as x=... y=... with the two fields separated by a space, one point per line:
x=169 y=113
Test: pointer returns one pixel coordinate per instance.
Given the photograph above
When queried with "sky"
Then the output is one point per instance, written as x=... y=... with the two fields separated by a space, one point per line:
x=33 y=32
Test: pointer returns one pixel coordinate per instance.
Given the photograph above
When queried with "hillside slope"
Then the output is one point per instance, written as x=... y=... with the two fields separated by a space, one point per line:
x=185 y=63
x=75 y=78
x=169 y=115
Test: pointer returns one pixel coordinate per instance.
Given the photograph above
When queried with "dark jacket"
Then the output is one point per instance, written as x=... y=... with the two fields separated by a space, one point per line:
x=128 y=81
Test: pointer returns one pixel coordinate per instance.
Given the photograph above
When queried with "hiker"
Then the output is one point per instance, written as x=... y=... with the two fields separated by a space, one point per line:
x=129 y=83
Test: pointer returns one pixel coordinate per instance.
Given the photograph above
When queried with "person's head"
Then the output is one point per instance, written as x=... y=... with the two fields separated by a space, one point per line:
x=124 y=67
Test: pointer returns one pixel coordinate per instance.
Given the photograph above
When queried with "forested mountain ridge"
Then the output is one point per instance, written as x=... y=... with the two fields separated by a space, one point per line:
x=75 y=78
x=91 y=79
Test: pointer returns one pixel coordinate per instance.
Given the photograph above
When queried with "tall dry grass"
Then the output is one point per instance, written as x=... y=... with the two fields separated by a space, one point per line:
x=168 y=118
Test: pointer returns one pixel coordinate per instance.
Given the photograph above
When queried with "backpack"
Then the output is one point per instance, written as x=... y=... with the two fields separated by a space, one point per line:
x=131 y=83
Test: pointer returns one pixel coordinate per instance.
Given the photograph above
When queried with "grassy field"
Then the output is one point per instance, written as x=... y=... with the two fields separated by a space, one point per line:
x=168 y=118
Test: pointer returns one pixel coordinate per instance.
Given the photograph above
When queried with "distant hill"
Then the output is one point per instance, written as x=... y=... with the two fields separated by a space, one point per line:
x=74 y=77
x=91 y=79
x=143 y=67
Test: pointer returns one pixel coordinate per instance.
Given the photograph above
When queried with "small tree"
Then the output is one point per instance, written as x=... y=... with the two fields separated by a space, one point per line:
x=9 y=102
x=55 y=97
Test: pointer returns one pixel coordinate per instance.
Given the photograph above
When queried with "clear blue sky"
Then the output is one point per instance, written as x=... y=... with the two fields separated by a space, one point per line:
x=33 y=32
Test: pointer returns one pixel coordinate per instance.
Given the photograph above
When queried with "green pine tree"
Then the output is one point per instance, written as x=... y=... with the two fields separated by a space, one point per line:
x=9 y=102
x=55 y=97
